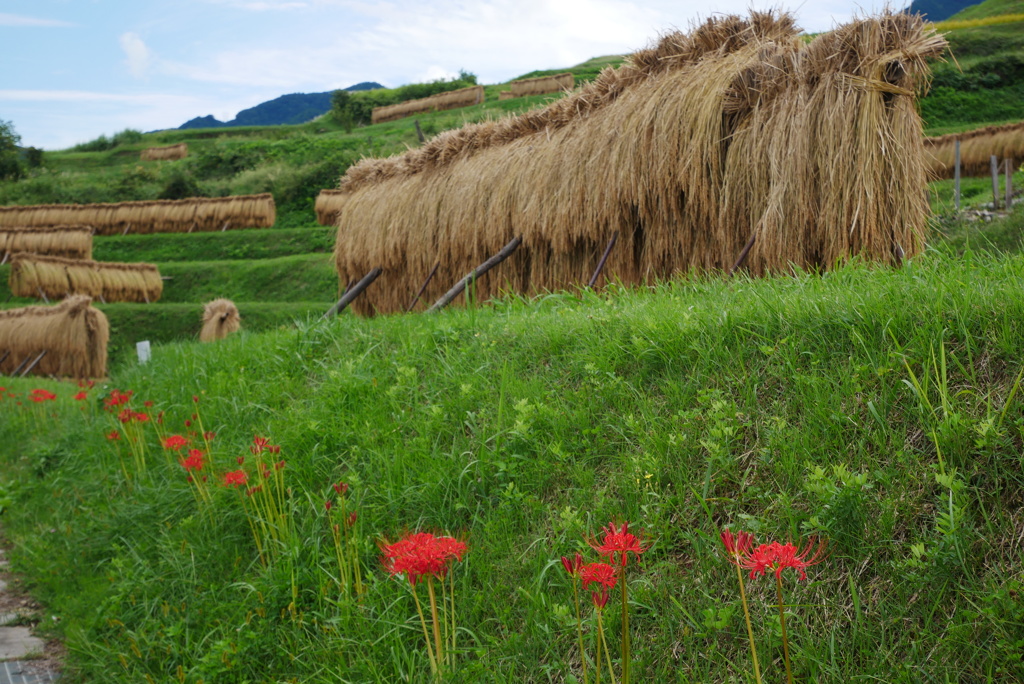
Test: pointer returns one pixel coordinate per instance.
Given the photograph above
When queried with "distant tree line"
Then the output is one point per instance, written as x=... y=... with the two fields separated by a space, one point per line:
x=356 y=108
x=13 y=158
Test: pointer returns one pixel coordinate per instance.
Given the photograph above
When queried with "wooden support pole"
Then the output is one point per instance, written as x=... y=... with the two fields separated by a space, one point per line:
x=42 y=294
x=956 y=176
x=604 y=258
x=423 y=287
x=994 y=165
x=225 y=226
x=419 y=132
x=6 y=254
x=4 y=357
x=20 y=366
x=475 y=273
x=1008 y=168
x=33 y=365
x=743 y=254
x=351 y=294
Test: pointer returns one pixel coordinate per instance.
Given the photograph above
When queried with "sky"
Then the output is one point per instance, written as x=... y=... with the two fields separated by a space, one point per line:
x=72 y=70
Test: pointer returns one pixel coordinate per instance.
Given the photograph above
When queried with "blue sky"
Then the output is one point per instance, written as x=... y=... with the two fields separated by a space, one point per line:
x=71 y=70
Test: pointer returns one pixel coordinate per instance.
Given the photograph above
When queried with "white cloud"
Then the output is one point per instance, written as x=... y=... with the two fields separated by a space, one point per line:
x=136 y=52
x=19 y=20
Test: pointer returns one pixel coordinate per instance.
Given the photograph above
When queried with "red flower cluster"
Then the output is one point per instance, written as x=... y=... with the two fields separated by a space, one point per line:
x=618 y=543
x=117 y=398
x=81 y=396
x=261 y=444
x=573 y=565
x=113 y=435
x=127 y=415
x=41 y=395
x=194 y=461
x=601 y=574
x=235 y=478
x=421 y=555
x=175 y=443
x=774 y=556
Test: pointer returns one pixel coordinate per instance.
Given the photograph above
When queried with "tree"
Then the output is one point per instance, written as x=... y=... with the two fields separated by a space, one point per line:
x=341 y=109
x=10 y=163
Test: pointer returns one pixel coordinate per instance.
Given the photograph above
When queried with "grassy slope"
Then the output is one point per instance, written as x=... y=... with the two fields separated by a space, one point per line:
x=525 y=427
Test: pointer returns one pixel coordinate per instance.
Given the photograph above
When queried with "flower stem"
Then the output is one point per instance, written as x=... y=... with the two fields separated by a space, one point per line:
x=433 y=613
x=451 y=599
x=625 y=624
x=426 y=634
x=782 y=624
x=607 y=653
x=579 y=626
x=750 y=631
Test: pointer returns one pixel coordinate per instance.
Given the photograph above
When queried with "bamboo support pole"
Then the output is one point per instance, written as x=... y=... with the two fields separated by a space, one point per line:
x=20 y=366
x=994 y=166
x=743 y=254
x=475 y=273
x=423 y=287
x=351 y=294
x=956 y=176
x=33 y=364
x=604 y=258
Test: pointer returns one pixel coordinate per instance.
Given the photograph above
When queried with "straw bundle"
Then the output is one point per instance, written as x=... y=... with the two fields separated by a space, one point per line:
x=73 y=334
x=156 y=216
x=453 y=99
x=328 y=204
x=71 y=242
x=737 y=129
x=33 y=275
x=542 y=85
x=170 y=152
x=220 y=319
x=976 y=148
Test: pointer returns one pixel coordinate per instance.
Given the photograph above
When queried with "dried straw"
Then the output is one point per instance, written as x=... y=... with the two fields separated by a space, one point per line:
x=71 y=242
x=220 y=319
x=328 y=204
x=156 y=216
x=170 y=152
x=976 y=149
x=453 y=99
x=736 y=129
x=73 y=334
x=542 y=85
x=33 y=275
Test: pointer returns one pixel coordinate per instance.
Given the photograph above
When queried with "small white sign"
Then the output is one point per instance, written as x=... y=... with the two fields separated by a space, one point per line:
x=143 y=350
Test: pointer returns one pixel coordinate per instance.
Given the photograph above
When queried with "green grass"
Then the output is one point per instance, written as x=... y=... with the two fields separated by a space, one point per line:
x=235 y=244
x=524 y=427
x=990 y=8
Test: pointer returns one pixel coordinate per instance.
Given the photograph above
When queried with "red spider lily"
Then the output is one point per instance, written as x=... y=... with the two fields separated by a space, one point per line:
x=195 y=461
x=160 y=418
x=113 y=435
x=600 y=599
x=81 y=396
x=573 y=565
x=117 y=398
x=778 y=557
x=352 y=521
x=140 y=417
x=175 y=442
x=618 y=543
x=188 y=423
x=41 y=395
x=147 y=404
x=240 y=460
x=235 y=478
x=125 y=416
x=279 y=465
x=274 y=448
x=195 y=399
x=209 y=436
x=421 y=555
x=598 y=573
x=259 y=444
x=252 y=490
x=736 y=547
x=328 y=505
x=86 y=384
x=341 y=488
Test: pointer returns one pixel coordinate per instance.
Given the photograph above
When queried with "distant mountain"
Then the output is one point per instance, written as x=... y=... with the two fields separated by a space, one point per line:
x=938 y=10
x=288 y=109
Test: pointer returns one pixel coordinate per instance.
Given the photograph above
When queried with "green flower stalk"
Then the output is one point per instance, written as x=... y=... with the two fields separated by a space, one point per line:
x=736 y=547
